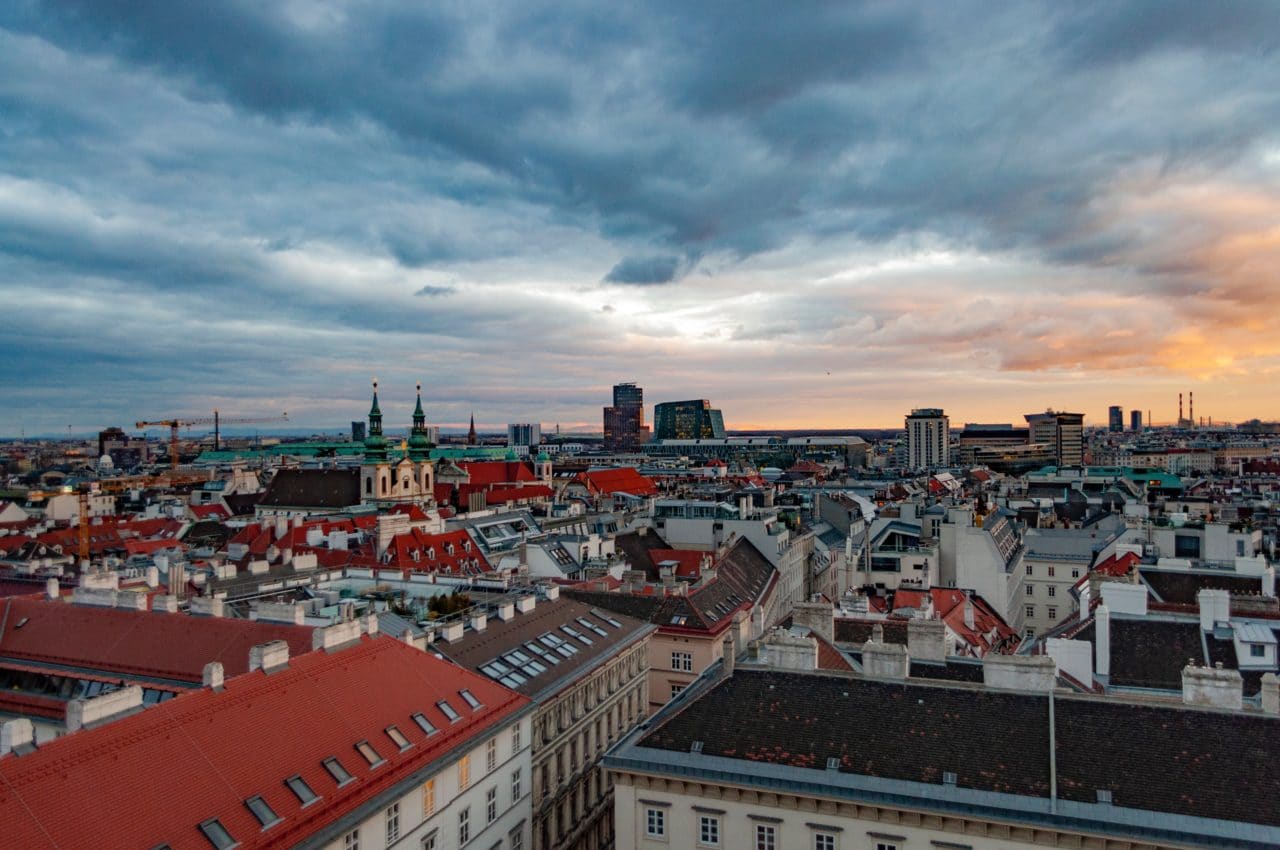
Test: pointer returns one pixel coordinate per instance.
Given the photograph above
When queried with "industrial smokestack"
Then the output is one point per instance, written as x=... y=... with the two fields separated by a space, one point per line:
x=1191 y=409
x=1179 y=408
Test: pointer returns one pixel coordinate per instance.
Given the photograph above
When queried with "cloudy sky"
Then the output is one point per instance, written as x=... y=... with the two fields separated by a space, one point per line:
x=812 y=214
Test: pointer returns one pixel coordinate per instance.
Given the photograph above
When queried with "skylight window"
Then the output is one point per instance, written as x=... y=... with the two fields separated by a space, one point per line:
x=585 y=623
x=424 y=724
x=606 y=618
x=470 y=698
x=337 y=771
x=302 y=790
x=572 y=632
x=218 y=835
x=398 y=738
x=366 y=749
x=448 y=711
x=262 y=812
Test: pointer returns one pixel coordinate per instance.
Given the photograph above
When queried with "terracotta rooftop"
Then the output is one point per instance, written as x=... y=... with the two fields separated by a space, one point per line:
x=174 y=647
x=150 y=779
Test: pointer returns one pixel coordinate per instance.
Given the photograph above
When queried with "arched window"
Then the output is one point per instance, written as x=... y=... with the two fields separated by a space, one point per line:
x=384 y=485
x=368 y=486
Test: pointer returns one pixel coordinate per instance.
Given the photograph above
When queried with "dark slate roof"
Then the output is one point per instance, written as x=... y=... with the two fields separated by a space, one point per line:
x=1155 y=758
x=636 y=548
x=476 y=649
x=742 y=576
x=241 y=504
x=951 y=671
x=1181 y=588
x=859 y=631
x=1224 y=652
x=209 y=532
x=1151 y=653
x=313 y=488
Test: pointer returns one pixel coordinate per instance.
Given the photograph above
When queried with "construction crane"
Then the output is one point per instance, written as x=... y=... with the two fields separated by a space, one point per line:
x=174 y=424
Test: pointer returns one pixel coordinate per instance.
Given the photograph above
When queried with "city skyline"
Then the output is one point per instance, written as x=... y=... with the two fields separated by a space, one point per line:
x=818 y=221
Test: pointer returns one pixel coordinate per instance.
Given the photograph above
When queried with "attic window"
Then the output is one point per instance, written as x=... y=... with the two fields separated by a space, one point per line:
x=695 y=747
x=398 y=738
x=337 y=771
x=833 y=763
x=262 y=812
x=948 y=777
x=424 y=724
x=218 y=835
x=370 y=754
x=470 y=698
x=1104 y=796
x=606 y=618
x=449 y=711
x=302 y=790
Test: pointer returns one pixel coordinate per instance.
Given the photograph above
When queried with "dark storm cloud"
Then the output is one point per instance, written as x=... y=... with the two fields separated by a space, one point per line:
x=291 y=174
x=644 y=270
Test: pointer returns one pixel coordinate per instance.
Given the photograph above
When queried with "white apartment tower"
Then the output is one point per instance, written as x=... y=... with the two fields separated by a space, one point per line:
x=928 y=439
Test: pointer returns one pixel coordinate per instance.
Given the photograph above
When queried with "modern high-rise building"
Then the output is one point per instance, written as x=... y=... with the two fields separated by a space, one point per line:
x=1135 y=420
x=1115 y=418
x=928 y=438
x=692 y=419
x=624 y=429
x=524 y=434
x=357 y=431
x=1062 y=432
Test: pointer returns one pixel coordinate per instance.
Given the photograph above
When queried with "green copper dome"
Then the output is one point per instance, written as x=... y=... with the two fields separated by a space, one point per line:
x=375 y=445
x=419 y=442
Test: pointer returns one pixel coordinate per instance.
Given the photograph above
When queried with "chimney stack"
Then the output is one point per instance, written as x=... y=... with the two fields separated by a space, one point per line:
x=51 y=588
x=270 y=657
x=17 y=735
x=213 y=676
x=1212 y=687
x=729 y=654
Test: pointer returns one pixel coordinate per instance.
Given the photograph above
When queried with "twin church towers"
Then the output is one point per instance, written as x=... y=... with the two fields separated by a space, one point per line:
x=410 y=479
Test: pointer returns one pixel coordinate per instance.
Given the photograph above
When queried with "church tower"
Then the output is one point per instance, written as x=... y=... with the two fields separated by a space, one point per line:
x=471 y=433
x=419 y=452
x=375 y=470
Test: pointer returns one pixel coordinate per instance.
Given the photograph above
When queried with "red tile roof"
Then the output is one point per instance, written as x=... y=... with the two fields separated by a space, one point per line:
x=607 y=482
x=450 y=553
x=209 y=512
x=134 y=643
x=151 y=778
x=688 y=562
x=528 y=493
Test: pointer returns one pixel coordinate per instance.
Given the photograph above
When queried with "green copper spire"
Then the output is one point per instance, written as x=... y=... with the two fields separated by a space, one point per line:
x=419 y=442
x=375 y=445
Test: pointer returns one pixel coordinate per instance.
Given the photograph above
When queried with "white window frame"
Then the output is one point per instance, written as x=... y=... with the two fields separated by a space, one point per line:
x=708 y=830
x=655 y=822
x=682 y=661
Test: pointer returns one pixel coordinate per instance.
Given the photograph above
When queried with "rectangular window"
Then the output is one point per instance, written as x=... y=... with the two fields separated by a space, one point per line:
x=301 y=790
x=429 y=840
x=464 y=826
x=393 y=823
x=675 y=690
x=448 y=711
x=515 y=786
x=262 y=811
x=351 y=841
x=1257 y=650
x=491 y=755
x=682 y=661
x=1053 y=590
x=469 y=698
x=824 y=841
x=424 y=724
x=655 y=823
x=491 y=805
x=1051 y=571
x=1031 y=590
x=337 y=771
x=1075 y=574
x=1031 y=610
x=217 y=834
x=1030 y=570
x=428 y=798
x=709 y=830
x=884 y=845
x=1053 y=613
x=515 y=738
x=366 y=749
x=766 y=837
x=397 y=737
x=516 y=838
x=464 y=771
